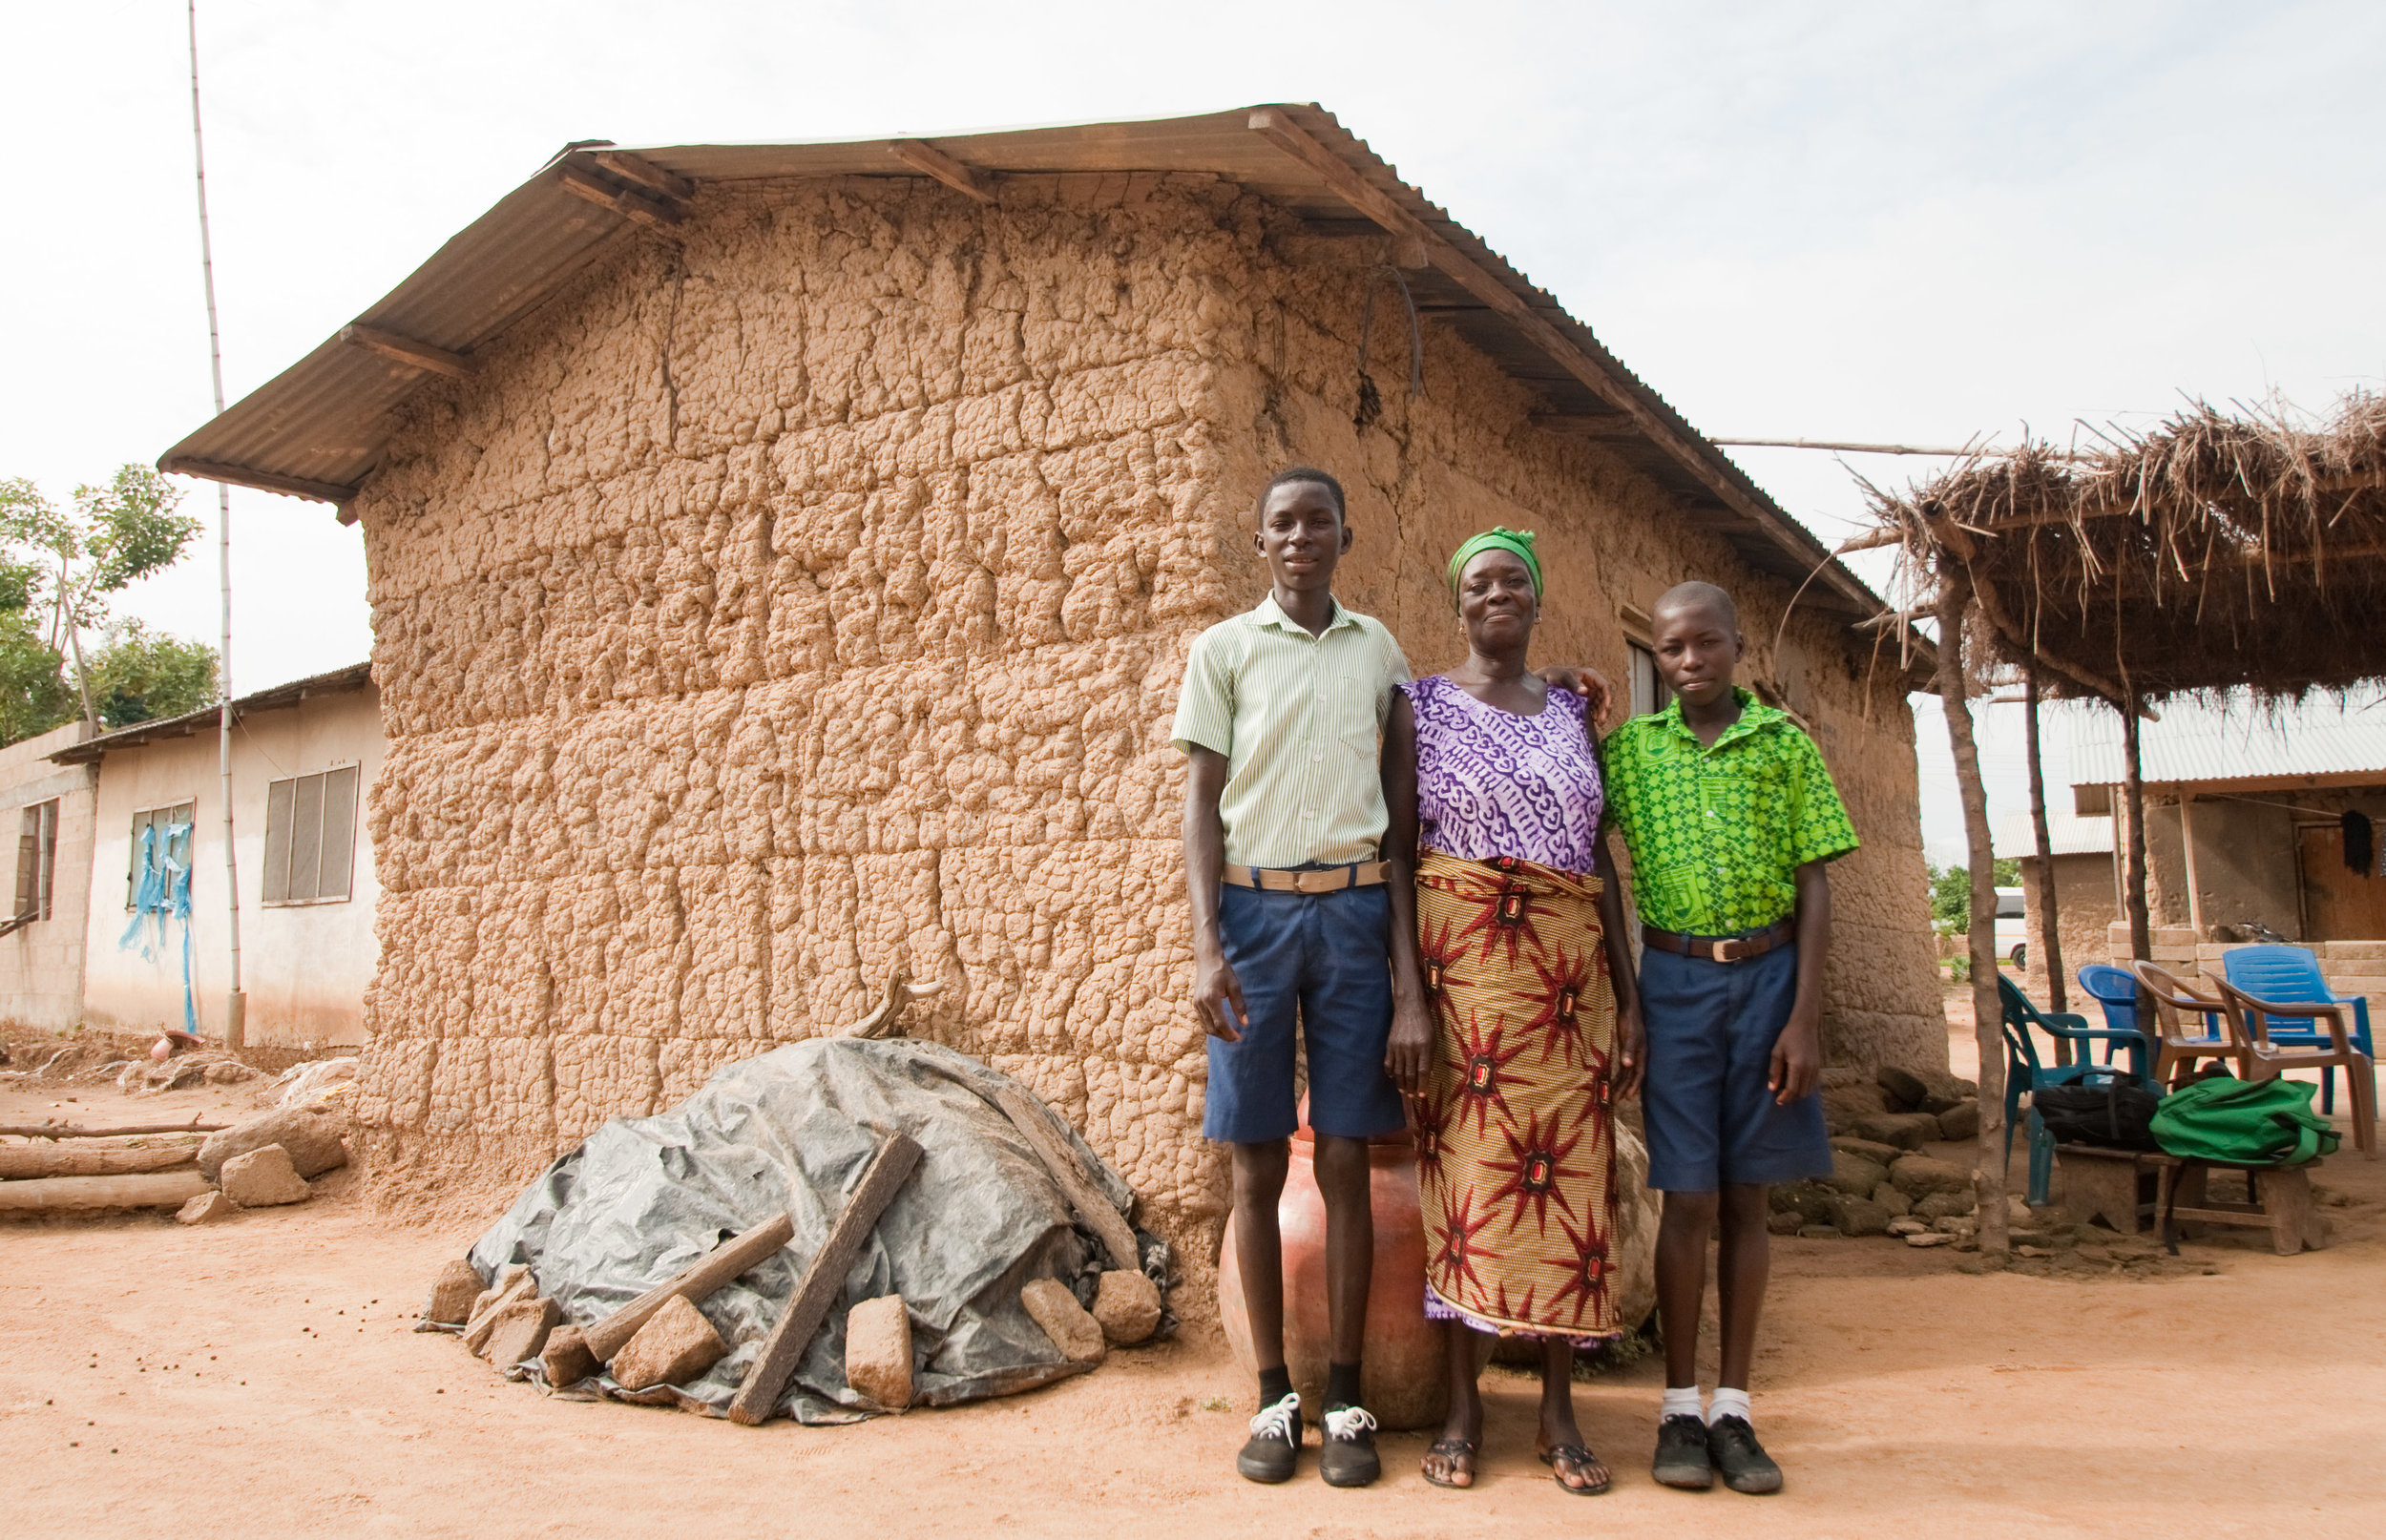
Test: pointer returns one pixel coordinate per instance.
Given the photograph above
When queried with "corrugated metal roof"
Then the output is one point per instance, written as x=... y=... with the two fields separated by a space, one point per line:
x=317 y=428
x=2197 y=743
x=338 y=681
x=2067 y=834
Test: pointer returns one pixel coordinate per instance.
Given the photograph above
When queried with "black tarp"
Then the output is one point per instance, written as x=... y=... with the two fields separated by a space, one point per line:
x=792 y=1129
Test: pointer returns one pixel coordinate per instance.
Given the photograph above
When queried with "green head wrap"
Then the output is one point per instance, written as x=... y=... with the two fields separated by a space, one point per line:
x=1518 y=541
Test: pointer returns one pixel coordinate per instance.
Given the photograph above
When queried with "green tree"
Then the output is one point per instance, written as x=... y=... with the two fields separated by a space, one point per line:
x=1951 y=892
x=139 y=676
x=58 y=569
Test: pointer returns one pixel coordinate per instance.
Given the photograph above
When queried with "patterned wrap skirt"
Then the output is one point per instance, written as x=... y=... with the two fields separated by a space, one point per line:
x=1515 y=1146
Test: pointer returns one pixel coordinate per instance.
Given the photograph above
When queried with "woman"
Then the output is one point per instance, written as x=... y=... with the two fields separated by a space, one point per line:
x=1530 y=1024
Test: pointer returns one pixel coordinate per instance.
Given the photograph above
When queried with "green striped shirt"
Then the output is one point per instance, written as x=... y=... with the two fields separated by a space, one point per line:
x=1300 y=719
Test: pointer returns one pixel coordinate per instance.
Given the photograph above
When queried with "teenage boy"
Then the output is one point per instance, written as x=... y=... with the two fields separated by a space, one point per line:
x=1294 y=929
x=1729 y=816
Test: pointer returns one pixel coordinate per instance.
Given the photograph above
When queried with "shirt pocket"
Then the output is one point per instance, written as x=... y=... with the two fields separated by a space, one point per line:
x=1352 y=714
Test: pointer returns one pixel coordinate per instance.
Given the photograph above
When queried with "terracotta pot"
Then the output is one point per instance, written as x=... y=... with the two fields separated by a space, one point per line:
x=1402 y=1379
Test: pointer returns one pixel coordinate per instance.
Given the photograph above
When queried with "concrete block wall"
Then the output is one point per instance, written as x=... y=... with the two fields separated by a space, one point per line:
x=41 y=966
x=2351 y=968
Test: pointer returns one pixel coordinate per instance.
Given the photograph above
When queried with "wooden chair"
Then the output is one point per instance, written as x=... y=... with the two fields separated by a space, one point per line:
x=2191 y=1026
x=2253 y=1016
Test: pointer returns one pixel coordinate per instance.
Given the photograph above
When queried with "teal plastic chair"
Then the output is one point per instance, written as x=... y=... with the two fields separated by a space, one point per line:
x=2290 y=975
x=2024 y=1072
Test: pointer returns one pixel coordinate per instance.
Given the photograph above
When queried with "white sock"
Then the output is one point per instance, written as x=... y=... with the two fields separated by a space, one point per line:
x=1730 y=1404
x=1679 y=1402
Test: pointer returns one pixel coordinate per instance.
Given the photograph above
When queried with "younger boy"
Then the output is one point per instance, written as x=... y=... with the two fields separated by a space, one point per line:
x=1730 y=815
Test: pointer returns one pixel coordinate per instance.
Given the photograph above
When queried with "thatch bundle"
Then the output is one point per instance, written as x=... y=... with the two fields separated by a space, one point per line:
x=2211 y=552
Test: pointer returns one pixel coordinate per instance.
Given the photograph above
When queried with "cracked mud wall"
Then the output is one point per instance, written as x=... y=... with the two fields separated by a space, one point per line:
x=808 y=597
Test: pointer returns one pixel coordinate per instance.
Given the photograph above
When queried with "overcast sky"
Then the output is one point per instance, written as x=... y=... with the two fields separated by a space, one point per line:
x=1878 y=221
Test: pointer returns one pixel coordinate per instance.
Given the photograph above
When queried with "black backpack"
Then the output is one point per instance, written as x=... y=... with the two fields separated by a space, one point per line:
x=2112 y=1109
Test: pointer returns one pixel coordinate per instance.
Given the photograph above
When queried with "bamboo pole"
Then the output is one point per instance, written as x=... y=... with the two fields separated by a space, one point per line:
x=2049 y=931
x=1988 y=1170
x=2133 y=801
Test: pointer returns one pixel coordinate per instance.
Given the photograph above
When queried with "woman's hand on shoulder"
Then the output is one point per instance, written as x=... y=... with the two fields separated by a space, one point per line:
x=1587 y=682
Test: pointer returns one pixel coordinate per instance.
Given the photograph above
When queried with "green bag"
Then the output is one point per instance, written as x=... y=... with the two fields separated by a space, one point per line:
x=2233 y=1122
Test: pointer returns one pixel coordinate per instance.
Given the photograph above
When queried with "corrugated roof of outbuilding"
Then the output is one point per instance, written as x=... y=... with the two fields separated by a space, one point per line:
x=317 y=428
x=2202 y=742
x=338 y=681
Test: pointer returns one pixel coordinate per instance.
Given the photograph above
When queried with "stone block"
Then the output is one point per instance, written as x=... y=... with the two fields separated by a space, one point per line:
x=1860 y=1217
x=1906 y=1131
x=1785 y=1221
x=1920 y=1176
x=1843 y=1106
x=1962 y=1122
x=205 y=1209
x=519 y=1331
x=1881 y=1154
x=1931 y=1238
x=1887 y=1196
x=1945 y=1205
x=1809 y=1199
x=878 y=1351
x=1077 y=1334
x=262 y=1179
x=2365 y=950
x=1854 y=1174
x=566 y=1360
x=1903 y=1088
x=1127 y=1305
x=674 y=1347
x=452 y=1294
x=311 y=1140
x=1818 y=1232
x=1908 y=1227
x=513 y=1282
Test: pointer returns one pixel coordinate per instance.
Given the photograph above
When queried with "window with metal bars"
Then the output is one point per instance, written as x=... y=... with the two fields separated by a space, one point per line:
x=1649 y=691
x=310 y=838
x=37 y=862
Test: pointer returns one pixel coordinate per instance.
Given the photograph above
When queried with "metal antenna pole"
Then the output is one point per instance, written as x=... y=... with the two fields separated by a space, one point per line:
x=236 y=1003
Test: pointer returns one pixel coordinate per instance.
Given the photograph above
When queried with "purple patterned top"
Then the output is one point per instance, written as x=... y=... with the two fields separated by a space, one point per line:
x=1492 y=783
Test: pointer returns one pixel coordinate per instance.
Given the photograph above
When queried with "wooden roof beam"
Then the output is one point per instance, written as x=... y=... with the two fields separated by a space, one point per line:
x=1387 y=210
x=407 y=351
x=630 y=203
x=931 y=162
x=645 y=173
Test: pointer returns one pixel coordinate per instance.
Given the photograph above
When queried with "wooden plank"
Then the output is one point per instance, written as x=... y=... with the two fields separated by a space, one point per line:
x=407 y=351
x=263 y=481
x=645 y=173
x=1485 y=285
x=817 y=1290
x=738 y=1255
x=930 y=161
x=76 y=1131
x=59 y=1194
x=18 y=1161
x=642 y=208
x=1035 y=1125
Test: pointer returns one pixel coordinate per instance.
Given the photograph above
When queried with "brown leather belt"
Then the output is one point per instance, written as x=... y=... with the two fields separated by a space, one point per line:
x=1722 y=949
x=1326 y=880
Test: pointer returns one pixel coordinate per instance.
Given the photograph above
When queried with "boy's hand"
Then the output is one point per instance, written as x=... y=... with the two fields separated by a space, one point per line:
x=1218 y=997
x=1588 y=683
x=1409 y=1055
x=1797 y=1058
x=1631 y=1050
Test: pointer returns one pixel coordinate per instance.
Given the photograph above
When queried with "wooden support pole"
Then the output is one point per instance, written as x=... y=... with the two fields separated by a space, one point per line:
x=1988 y=1170
x=76 y=1131
x=733 y=1257
x=407 y=351
x=2049 y=931
x=2133 y=803
x=1117 y=1237
x=60 y=1195
x=931 y=162
x=18 y=1161
x=817 y=1290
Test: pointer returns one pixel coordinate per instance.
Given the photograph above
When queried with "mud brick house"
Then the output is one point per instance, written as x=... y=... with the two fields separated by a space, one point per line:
x=784 y=558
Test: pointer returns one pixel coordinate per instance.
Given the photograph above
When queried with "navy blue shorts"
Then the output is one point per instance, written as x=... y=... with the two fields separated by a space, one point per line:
x=1319 y=964
x=1711 y=1120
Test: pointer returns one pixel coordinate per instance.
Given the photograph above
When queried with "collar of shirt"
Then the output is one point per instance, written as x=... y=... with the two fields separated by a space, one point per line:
x=1268 y=613
x=1754 y=717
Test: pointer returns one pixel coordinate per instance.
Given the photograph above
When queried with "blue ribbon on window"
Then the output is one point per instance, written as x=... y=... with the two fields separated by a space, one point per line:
x=161 y=893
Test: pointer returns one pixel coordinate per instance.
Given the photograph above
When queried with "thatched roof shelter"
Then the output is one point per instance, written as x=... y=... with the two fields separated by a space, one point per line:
x=2211 y=552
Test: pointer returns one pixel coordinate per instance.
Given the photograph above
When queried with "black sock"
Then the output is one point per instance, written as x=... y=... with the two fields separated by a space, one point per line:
x=1342 y=1384
x=1274 y=1384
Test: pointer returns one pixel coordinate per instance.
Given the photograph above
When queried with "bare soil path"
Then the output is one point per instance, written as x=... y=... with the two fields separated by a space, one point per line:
x=261 y=1378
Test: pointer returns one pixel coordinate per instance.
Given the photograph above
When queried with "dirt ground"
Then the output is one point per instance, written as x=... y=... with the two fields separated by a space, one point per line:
x=262 y=1378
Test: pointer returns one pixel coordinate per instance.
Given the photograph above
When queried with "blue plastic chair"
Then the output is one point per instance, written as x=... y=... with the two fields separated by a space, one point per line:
x=2292 y=973
x=2023 y=1073
x=2116 y=992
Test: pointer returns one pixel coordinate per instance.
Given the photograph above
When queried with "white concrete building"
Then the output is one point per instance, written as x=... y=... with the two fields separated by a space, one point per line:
x=50 y=806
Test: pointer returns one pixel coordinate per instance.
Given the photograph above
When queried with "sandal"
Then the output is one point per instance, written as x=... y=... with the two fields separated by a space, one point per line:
x=1454 y=1450
x=1580 y=1458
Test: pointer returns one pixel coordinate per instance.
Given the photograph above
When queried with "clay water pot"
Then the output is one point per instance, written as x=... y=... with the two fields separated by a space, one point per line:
x=1402 y=1379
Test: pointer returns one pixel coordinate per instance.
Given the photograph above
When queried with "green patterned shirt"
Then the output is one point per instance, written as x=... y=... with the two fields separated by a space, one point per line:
x=1717 y=833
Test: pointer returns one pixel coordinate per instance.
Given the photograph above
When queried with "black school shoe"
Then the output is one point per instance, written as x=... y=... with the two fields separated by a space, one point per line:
x=1274 y=1446
x=1746 y=1467
x=1347 y=1456
x=1682 y=1454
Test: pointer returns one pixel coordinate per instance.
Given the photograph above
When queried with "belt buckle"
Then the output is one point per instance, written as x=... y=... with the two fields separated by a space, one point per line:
x=1729 y=950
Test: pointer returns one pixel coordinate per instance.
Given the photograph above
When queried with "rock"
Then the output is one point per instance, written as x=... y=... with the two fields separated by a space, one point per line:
x=205 y=1209
x=262 y=1179
x=1861 y=1216
x=1960 y=1122
x=1844 y=1105
x=514 y=1282
x=312 y=1140
x=1908 y=1227
x=1937 y=1105
x=1903 y=1088
x=1818 y=1232
x=1931 y=1238
x=1127 y=1305
x=1906 y=1131
x=878 y=1351
x=566 y=1358
x=674 y=1347
x=1834 y=1076
x=229 y=1073
x=1784 y=1221
x=1945 y=1205
x=1809 y=1199
x=1854 y=1174
x=1881 y=1154
x=1887 y=1196
x=452 y=1294
x=2030 y=1251
x=1956 y=1225
x=1921 y=1176
x=1077 y=1334
x=519 y=1331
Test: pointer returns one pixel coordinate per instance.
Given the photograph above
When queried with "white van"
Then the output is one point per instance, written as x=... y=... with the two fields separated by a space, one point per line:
x=2013 y=927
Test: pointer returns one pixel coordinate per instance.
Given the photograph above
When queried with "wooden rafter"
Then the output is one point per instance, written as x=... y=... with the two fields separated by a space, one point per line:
x=645 y=173
x=930 y=161
x=630 y=203
x=407 y=350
